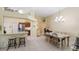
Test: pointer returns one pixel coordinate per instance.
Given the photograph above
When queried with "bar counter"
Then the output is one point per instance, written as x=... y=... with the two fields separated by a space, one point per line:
x=4 y=38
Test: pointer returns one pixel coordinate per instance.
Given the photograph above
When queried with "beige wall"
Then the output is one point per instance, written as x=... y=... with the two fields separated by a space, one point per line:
x=1 y=21
x=0 y=24
x=70 y=24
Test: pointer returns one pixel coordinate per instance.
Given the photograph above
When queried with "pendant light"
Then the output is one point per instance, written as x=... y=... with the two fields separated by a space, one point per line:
x=21 y=11
x=59 y=18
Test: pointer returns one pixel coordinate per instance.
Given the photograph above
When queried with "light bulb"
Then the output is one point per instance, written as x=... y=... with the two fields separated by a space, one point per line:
x=20 y=11
x=62 y=20
x=56 y=19
x=61 y=17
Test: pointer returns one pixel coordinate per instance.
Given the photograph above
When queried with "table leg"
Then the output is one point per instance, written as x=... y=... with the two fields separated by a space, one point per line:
x=60 y=43
x=67 y=41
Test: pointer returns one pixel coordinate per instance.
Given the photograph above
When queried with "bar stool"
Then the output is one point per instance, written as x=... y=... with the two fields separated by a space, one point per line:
x=12 y=43
x=22 y=41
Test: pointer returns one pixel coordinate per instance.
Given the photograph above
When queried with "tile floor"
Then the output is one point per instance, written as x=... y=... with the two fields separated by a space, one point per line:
x=37 y=44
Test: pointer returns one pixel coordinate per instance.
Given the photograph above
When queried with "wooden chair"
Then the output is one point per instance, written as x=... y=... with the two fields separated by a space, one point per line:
x=55 y=41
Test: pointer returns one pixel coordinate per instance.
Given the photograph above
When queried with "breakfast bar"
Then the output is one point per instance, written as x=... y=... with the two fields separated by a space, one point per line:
x=4 y=38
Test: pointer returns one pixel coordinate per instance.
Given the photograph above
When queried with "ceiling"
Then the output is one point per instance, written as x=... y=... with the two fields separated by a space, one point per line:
x=41 y=11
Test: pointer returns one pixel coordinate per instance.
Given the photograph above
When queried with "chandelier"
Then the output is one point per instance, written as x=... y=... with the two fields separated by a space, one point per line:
x=59 y=18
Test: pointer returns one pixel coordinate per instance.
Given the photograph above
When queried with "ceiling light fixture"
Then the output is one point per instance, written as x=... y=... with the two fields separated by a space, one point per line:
x=59 y=18
x=21 y=11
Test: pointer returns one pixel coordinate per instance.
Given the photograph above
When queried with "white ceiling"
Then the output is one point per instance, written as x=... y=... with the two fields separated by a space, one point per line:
x=41 y=11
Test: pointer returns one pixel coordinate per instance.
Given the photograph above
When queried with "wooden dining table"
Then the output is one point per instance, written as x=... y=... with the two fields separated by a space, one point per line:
x=60 y=37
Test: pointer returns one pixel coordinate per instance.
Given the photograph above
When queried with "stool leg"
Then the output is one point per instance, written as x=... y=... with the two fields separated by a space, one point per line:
x=19 y=44
x=24 y=42
x=15 y=43
x=68 y=42
x=7 y=48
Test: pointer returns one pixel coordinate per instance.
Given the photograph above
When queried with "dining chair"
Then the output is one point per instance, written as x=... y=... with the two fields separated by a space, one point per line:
x=63 y=42
x=55 y=41
x=76 y=45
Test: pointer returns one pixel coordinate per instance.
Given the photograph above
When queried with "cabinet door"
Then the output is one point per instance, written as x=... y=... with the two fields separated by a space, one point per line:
x=27 y=24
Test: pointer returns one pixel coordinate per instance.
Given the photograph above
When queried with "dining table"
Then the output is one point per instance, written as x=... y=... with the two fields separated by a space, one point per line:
x=60 y=37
